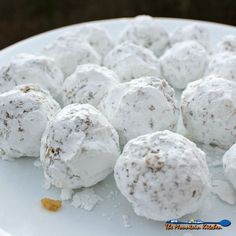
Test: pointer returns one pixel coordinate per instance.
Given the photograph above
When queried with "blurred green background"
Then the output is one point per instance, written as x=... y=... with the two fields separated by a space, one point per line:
x=20 y=19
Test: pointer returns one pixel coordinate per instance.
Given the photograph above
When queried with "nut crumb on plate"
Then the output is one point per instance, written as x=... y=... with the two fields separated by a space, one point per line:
x=51 y=204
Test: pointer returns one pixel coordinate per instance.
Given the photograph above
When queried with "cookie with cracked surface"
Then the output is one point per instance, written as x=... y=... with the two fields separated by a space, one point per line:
x=29 y=68
x=209 y=111
x=68 y=53
x=89 y=83
x=147 y=32
x=183 y=63
x=141 y=106
x=79 y=147
x=196 y=32
x=130 y=61
x=24 y=114
x=155 y=174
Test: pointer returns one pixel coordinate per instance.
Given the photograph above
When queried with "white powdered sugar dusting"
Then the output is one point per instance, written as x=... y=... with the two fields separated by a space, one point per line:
x=47 y=184
x=126 y=221
x=66 y=194
x=224 y=191
x=37 y=163
x=86 y=199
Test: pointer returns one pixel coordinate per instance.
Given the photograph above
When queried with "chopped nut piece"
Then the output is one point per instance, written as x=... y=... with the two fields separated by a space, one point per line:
x=162 y=175
x=50 y=204
x=25 y=89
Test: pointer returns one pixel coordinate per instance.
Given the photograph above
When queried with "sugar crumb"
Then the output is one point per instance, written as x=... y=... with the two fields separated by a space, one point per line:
x=86 y=199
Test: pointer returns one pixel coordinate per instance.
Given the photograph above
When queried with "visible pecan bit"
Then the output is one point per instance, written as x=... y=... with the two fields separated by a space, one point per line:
x=20 y=129
x=7 y=115
x=151 y=108
x=154 y=162
x=25 y=89
x=48 y=151
x=163 y=82
x=88 y=122
x=57 y=150
x=51 y=204
x=151 y=124
x=140 y=92
x=91 y=96
x=188 y=179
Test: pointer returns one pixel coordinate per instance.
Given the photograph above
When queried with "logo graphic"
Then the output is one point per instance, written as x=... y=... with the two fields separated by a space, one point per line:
x=196 y=225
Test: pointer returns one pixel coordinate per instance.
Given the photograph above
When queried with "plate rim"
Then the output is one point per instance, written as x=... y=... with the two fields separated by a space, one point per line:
x=110 y=20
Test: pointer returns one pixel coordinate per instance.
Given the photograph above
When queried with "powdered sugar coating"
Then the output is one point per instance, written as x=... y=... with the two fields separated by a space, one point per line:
x=97 y=37
x=194 y=32
x=155 y=174
x=24 y=113
x=28 y=68
x=141 y=106
x=229 y=165
x=209 y=111
x=227 y=44
x=223 y=65
x=90 y=83
x=131 y=61
x=86 y=199
x=79 y=147
x=147 y=32
x=68 y=53
x=184 y=63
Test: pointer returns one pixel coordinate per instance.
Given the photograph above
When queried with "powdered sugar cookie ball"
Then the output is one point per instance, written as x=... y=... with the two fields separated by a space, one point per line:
x=27 y=68
x=131 y=61
x=24 y=113
x=195 y=32
x=97 y=37
x=79 y=147
x=227 y=44
x=223 y=65
x=183 y=63
x=69 y=53
x=147 y=32
x=155 y=174
x=90 y=83
x=229 y=165
x=209 y=111
x=141 y=106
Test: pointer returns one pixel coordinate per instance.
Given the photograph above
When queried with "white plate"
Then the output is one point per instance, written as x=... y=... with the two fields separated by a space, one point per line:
x=21 y=182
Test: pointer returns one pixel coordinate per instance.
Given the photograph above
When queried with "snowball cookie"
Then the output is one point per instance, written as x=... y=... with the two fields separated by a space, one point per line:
x=27 y=68
x=131 y=61
x=88 y=84
x=163 y=175
x=227 y=44
x=229 y=165
x=147 y=32
x=209 y=111
x=195 y=32
x=97 y=37
x=183 y=63
x=68 y=54
x=141 y=106
x=24 y=113
x=223 y=65
x=79 y=147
